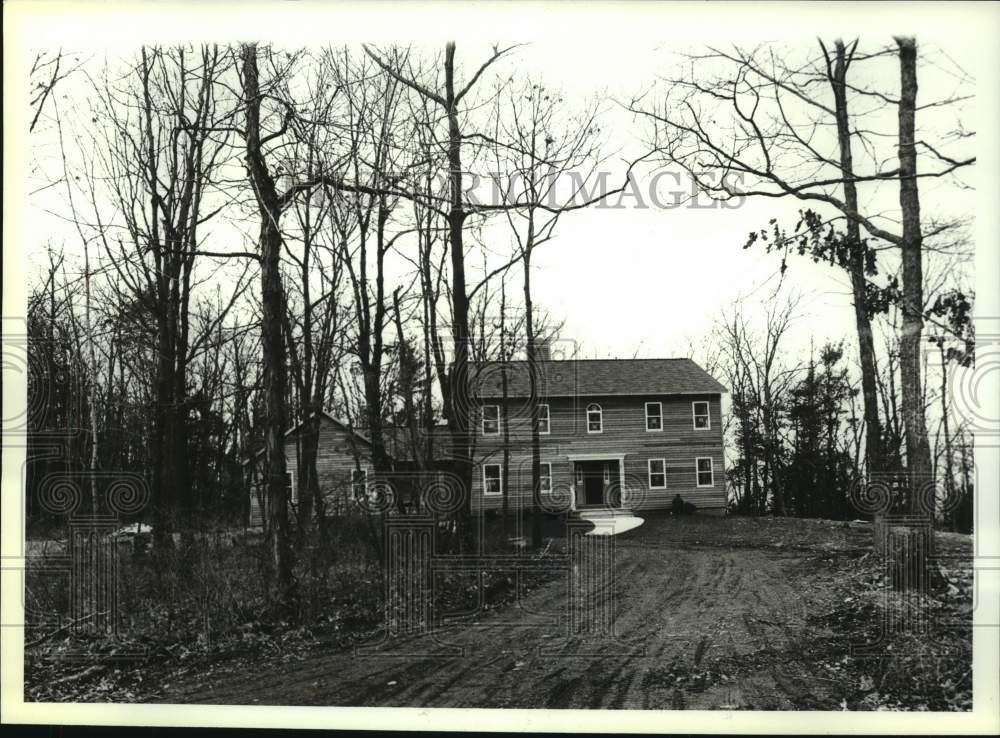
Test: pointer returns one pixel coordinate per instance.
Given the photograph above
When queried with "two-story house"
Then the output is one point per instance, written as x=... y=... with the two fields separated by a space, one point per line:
x=629 y=433
x=613 y=432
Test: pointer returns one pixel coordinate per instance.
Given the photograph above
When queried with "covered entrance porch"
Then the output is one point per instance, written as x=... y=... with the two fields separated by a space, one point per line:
x=598 y=480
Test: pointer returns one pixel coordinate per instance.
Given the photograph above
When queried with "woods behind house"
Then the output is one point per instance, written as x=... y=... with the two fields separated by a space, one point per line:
x=252 y=236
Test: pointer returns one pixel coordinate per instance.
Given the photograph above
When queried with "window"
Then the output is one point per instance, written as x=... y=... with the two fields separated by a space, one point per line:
x=706 y=477
x=654 y=416
x=492 y=484
x=701 y=418
x=657 y=474
x=543 y=420
x=359 y=483
x=545 y=478
x=491 y=420
x=607 y=473
x=595 y=419
x=291 y=491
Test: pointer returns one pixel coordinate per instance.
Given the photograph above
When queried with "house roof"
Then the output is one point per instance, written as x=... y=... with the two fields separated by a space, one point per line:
x=592 y=377
x=297 y=427
x=394 y=437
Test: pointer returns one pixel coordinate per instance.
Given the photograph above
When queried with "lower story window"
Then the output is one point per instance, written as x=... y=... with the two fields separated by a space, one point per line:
x=359 y=483
x=545 y=477
x=492 y=484
x=291 y=491
x=657 y=473
x=706 y=478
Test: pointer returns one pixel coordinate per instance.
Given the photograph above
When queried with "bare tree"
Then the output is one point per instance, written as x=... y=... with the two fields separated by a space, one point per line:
x=856 y=256
x=315 y=329
x=768 y=142
x=547 y=157
x=270 y=205
x=760 y=380
x=364 y=226
x=918 y=453
x=157 y=169
x=454 y=381
x=48 y=69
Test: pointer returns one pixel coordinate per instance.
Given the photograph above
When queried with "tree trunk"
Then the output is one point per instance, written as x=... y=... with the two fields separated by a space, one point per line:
x=308 y=482
x=918 y=452
x=536 y=452
x=185 y=517
x=460 y=411
x=91 y=384
x=163 y=463
x=771 y=476
x=949 y=479
x=963 y=513
x=371 y=360
x=758 y=500
x=428 y=409
x=505 y=411
x=272 y=338
x=918 y=455
x=407 y=391
x=866 y=342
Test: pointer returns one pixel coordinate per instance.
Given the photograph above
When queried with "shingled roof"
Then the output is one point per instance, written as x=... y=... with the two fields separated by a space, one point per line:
x=591 y=377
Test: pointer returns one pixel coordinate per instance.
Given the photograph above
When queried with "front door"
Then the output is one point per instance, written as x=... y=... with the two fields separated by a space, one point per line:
x=593 y=488
x=594 y=479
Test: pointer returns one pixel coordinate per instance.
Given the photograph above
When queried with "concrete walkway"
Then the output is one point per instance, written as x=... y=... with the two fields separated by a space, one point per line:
x=610 y=522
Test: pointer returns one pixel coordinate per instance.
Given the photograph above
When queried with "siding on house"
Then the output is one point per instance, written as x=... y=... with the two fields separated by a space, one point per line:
x=335 y=462
x=619 y=387
x=624 y=433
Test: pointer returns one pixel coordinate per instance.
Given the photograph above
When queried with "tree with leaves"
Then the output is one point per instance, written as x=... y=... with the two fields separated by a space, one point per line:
x=820 y=472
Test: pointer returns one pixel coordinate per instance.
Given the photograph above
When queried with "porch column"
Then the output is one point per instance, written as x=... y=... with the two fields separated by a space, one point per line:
x=621 y=482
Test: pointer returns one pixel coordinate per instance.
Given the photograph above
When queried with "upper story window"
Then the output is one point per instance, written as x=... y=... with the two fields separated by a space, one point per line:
x=492 y=484
x=699 y=410
x=491 y=420
x=595 y=419
x=544 y=427
x=654 y=416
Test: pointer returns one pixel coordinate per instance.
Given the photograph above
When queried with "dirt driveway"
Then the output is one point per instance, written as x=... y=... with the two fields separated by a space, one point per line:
x=710 y=613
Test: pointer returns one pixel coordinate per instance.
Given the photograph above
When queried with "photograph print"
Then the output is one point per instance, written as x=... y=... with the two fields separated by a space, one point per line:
x=641 y=366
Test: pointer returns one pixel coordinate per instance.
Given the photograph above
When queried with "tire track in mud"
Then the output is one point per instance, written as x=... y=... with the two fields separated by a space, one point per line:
x=680 y=608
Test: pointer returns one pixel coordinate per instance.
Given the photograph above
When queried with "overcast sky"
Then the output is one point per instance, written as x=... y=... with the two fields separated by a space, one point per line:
x=629 y=281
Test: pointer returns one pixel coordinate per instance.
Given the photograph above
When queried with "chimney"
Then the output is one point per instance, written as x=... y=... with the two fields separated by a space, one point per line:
x=543 y=350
